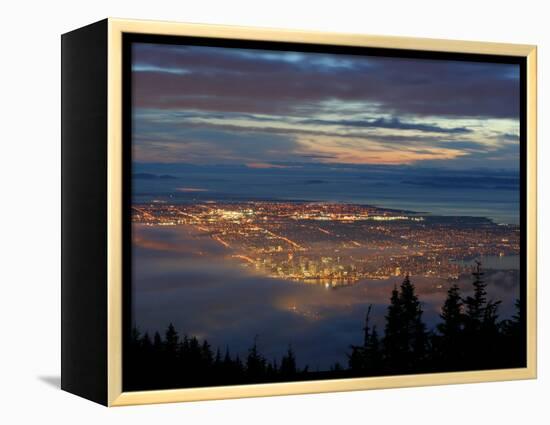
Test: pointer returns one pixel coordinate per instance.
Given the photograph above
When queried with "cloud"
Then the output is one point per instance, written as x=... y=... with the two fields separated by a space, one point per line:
x=368 y=151
x=215 y=105
x=218 y=79
x=265 y=120
x=266 y=165
x=191 y=189
x=510 y=137
x=162 y=136
x=167 y=143
x=393 y=123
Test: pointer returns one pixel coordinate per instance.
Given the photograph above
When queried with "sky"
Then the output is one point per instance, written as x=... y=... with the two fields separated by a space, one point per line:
x=279 y=109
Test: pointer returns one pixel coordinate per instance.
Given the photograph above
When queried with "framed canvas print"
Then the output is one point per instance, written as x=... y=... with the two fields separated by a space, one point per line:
x=251 y=212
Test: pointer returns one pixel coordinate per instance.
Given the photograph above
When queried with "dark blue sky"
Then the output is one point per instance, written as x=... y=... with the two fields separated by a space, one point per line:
x=270 y=109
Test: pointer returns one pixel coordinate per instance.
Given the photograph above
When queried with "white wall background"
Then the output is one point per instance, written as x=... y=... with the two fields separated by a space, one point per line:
x=30 y=199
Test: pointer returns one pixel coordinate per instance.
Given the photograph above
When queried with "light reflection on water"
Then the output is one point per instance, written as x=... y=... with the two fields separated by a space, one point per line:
x=183 y=277
x=381 y=186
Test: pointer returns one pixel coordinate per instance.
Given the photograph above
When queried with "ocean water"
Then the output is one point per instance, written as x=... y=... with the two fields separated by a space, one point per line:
x=491 y=194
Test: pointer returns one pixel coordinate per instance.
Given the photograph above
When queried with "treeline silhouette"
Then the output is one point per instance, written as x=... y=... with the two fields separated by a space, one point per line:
x=174 y=362
x=470 y=336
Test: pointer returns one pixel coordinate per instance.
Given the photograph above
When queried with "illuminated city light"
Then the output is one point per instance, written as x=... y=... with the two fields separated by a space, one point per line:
x=347 y=243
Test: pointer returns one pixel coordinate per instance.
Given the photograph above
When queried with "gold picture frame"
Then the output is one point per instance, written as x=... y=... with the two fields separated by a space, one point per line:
x=115 y=28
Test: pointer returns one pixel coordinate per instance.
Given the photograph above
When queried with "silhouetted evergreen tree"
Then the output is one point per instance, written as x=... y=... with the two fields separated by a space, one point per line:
x=394 y=347
x=217 y=366
x=194 y=354
x=475 y=305
x=513 y=326
x=405 y=339
x=288 y=363
x=157 y=342
x=356 y=359
x=480 y=325
x=451 y=313
x=238 y=367
x=489 y=325
x=514 y=335
x=206 y=353
x=255 y=362
x=227 y=359
x=135 y=336
x=171 y=339
x=415 y=335
x=146 y=343
x=368 y=357
x=374 y=353
x=450 y=341
x=272 y=370
x=184 y=349
x=336 y=367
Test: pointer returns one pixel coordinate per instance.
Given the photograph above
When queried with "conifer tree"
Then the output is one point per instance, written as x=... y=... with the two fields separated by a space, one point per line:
x=514 y=335
x=135 y=337
x=373 y=352
x=451 y=313
x=157 y=342
x=238 y=366
x=366 y=328
x=288 y=363
x=450 y=341
x=393 y=344
x=206 y=354
x=195 y=352
x=255 y=362
x=218 y=358
x=415 y=336
x=356 y=359
x=405 y=339
x=227 y=361
x=171 y=339
x=513 y=326
x=336 y=367
x=366 y=358
x=481 y=329
x=146 y=343
x=490 y=318
x=184 y=350
x=475 y=305
x=272 y=370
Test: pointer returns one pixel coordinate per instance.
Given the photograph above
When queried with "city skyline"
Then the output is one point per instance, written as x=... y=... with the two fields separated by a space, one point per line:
x=337 y=244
